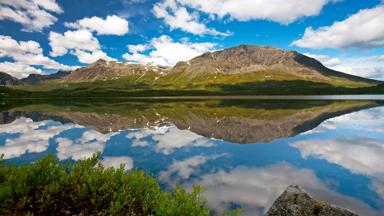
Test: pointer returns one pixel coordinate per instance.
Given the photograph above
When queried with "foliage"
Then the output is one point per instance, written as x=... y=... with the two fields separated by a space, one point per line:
x=49 y=187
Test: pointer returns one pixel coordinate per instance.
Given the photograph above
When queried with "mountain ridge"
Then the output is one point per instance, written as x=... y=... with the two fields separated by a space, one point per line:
x=6 y=79
x=37 y=78
x=107 y=70
x=255 y=58
x=239 y=59
x=265 y=61
x=240 y=70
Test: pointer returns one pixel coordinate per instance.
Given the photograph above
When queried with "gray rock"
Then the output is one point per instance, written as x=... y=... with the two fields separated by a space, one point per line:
x=294 y=201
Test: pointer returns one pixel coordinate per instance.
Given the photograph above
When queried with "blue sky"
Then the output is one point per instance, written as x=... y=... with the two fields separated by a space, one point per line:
x=43 y=36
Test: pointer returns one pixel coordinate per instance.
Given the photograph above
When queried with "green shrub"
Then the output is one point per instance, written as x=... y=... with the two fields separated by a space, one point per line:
x=49 y=187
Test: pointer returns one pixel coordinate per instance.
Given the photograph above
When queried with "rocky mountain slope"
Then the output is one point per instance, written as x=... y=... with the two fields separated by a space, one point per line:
x=234 y=65
x=7 y=80
x=246 y=59
x=109 y=70
x=38 y=78
x=243 y=68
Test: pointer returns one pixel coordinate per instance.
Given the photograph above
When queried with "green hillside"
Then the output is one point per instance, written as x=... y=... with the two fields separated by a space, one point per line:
x=265 y=82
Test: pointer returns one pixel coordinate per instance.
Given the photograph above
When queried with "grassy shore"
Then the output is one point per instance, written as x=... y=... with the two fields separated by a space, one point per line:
x=48 y=187
x=263 y=88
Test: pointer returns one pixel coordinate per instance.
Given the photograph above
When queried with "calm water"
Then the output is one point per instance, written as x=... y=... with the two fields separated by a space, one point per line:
x=245 y=151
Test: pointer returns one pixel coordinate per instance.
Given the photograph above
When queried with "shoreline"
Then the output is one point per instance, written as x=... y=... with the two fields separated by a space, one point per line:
x=225 y=97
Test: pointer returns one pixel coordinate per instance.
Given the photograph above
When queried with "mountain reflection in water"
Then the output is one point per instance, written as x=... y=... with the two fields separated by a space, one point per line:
x=334 y=149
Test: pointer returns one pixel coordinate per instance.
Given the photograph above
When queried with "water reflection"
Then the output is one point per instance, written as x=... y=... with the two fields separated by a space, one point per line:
x=116 y=162
x=257 y=188
x=26 y=136
x=334 y=149
x=167 y=139
x=235 y=121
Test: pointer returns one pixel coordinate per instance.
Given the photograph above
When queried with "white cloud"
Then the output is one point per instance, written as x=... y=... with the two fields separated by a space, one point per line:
x=32 y=139
x=80 y=43
x=138 y=137
x=10 y=47
x=378 y=186
x=178 y=17
x=111 y=25
x=367 y=66
x=90 y=57
x=20 y=125
x=369 y=120
x=167 y=139
x=90 y=143
x=34 y=15
x=380 y=58
x=184 y=169
x=255 y=189
x=175 y=12
x=80 y=39
x=165 y=51
x=18 y=70
x=137 y=48
x=49 y=5
x=325 y=60
x=115 y=162
x=359 y=155
x=364 y=29
x=175 y=138
x=26 y=54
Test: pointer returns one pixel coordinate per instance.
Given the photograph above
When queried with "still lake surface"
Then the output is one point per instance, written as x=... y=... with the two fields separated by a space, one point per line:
x=245 y=151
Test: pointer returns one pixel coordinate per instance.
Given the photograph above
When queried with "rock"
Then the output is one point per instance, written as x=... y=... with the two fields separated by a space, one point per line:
x=294 y=201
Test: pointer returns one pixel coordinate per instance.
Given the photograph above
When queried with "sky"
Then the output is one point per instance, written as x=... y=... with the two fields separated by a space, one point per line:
x=45 y=36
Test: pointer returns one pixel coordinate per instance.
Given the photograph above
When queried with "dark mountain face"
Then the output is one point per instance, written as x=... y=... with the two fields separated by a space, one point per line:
x=37 y=78
x=7 y=80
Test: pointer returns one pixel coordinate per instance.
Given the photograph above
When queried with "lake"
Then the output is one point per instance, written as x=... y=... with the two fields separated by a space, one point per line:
x=246 y=151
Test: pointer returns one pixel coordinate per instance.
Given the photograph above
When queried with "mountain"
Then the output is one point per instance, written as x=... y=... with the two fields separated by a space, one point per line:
x=109 y=70
x=237 y=65
x=7 y=80
x=249 y=59
x=261 y=62
x=241 y=70
x=38 y=78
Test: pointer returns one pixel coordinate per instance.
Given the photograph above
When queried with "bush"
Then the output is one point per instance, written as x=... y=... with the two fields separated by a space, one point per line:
x=49 y=187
